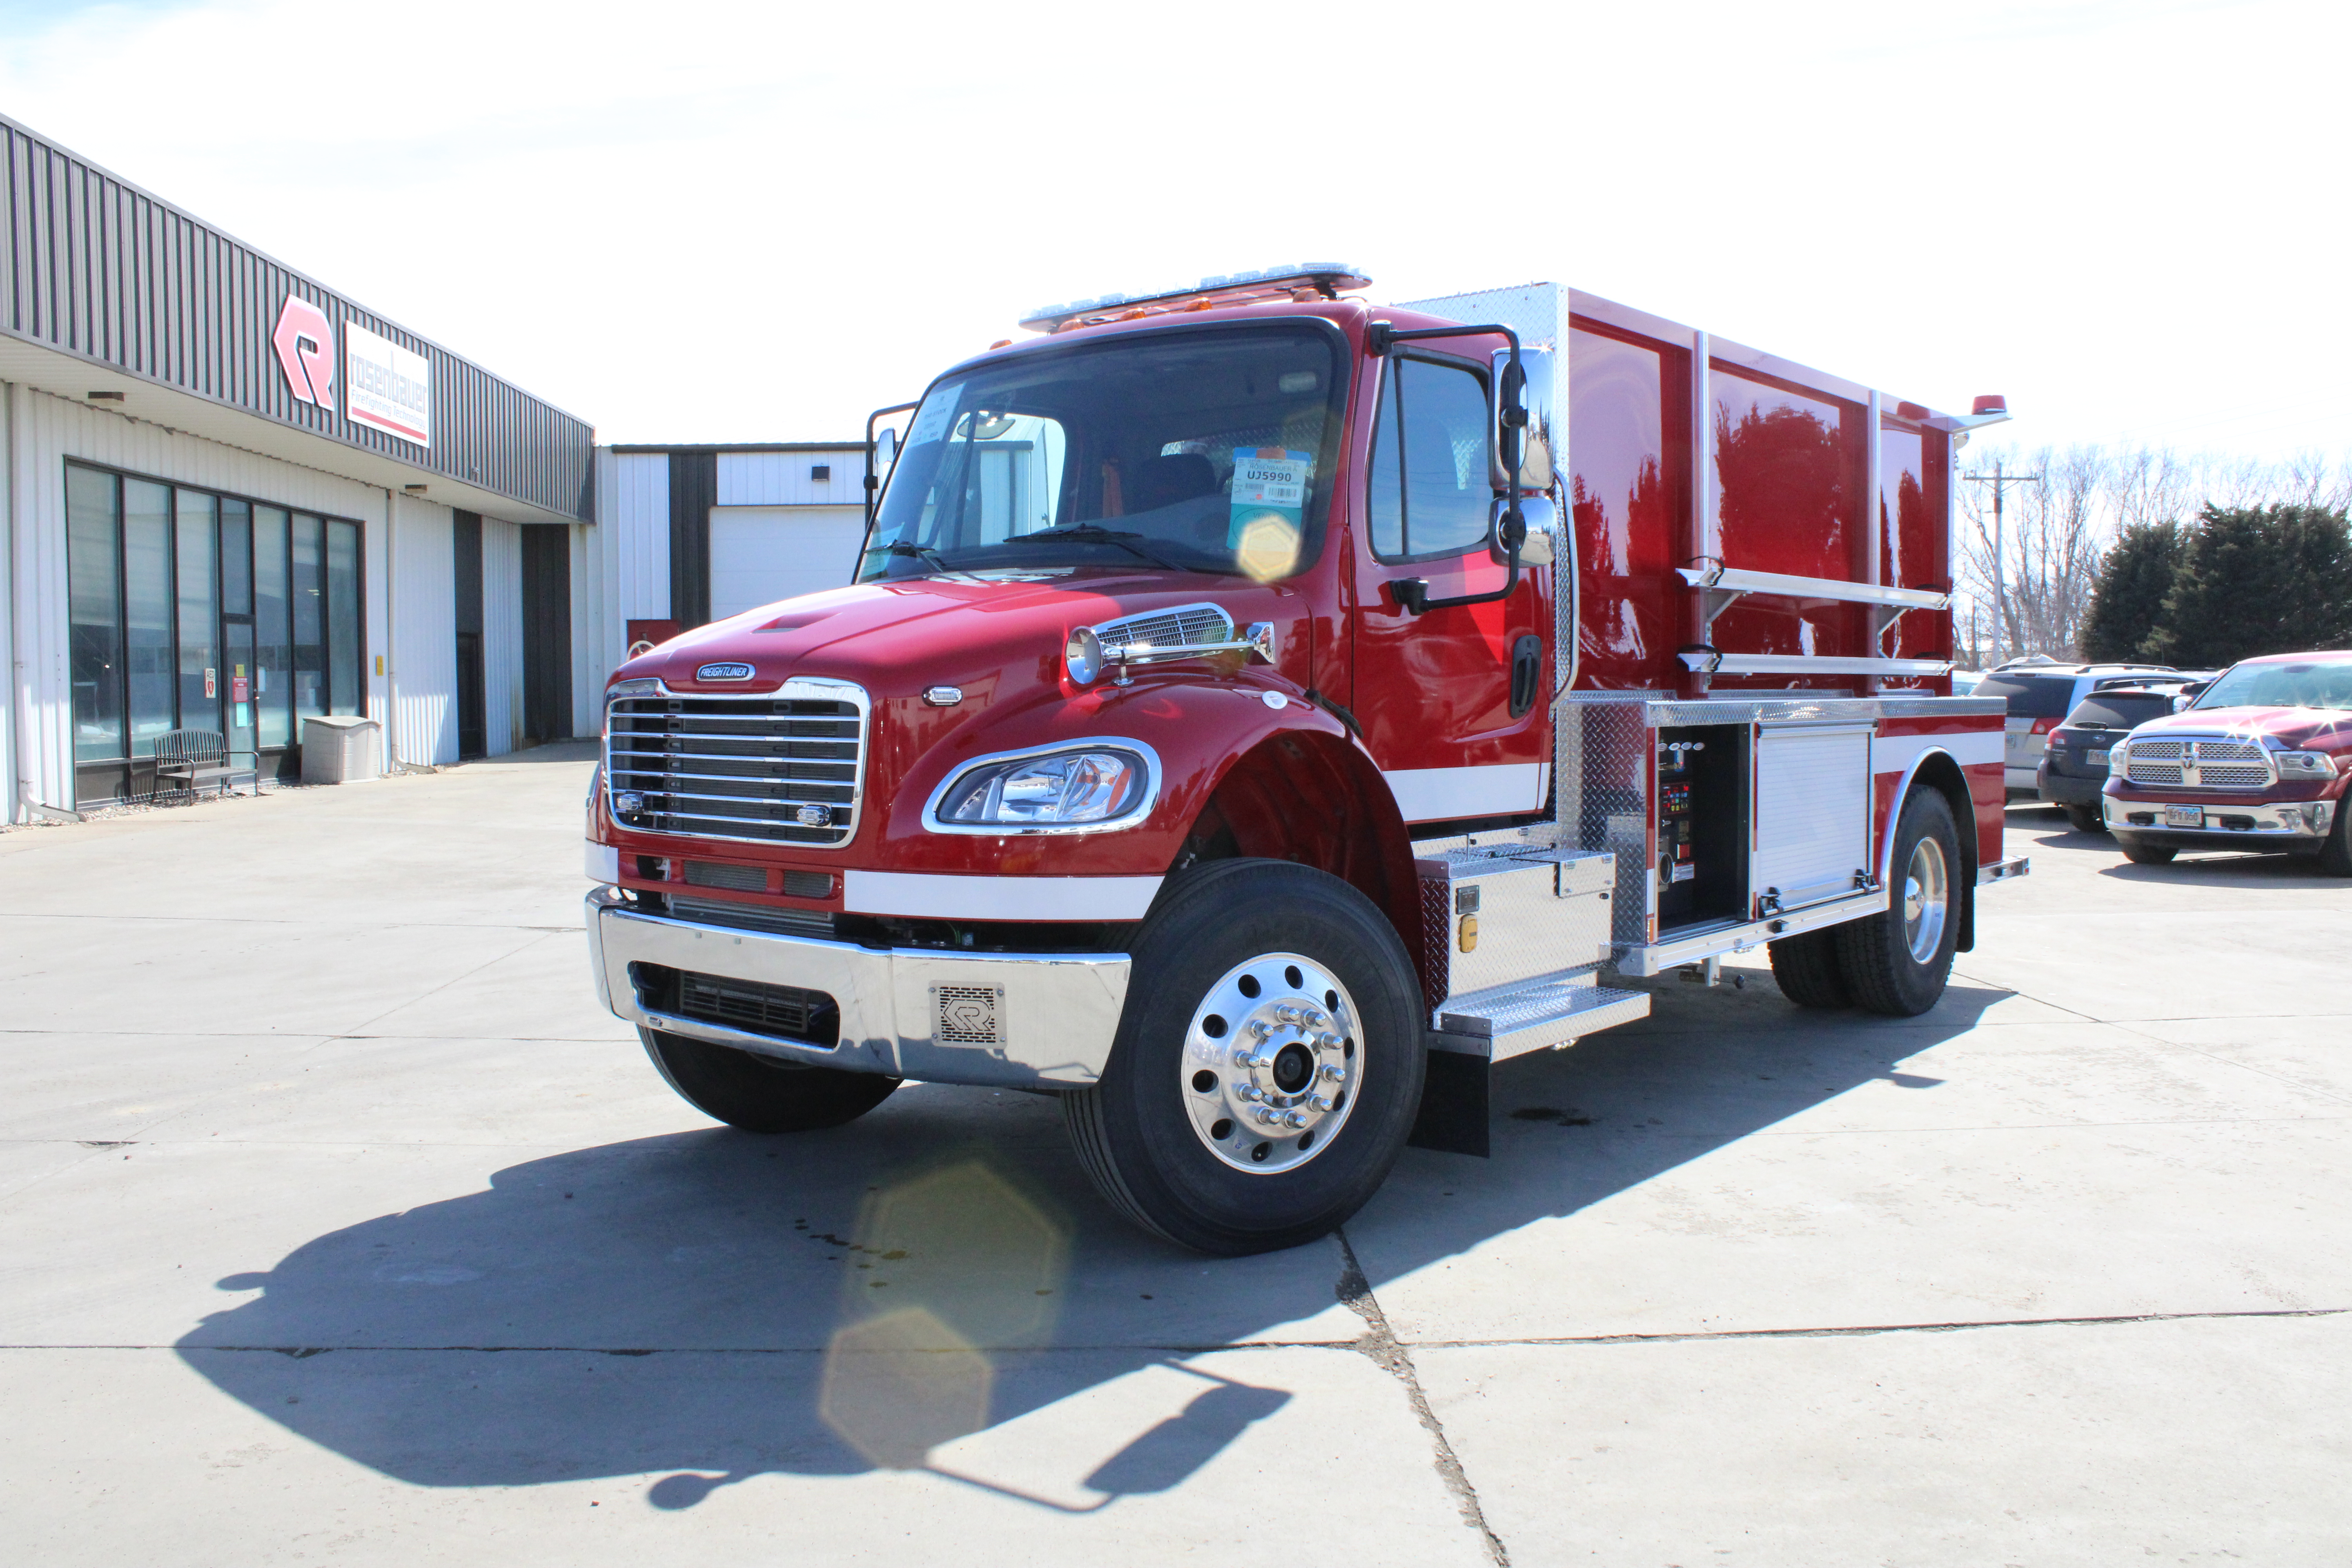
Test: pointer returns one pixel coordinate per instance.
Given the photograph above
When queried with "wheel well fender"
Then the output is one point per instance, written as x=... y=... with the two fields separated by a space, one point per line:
x=1317 y=800
x=1939 y=770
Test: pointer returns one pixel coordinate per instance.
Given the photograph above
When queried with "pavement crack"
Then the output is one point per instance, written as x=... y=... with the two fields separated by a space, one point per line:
x=1861 y=1329
x=1380 y=1345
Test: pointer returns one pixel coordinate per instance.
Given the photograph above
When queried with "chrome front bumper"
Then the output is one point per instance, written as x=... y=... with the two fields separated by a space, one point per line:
x=1020 y=1020
x=2277 y=822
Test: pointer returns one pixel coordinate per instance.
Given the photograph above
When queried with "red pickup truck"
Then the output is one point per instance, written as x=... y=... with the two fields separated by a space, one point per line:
x=2257 y=763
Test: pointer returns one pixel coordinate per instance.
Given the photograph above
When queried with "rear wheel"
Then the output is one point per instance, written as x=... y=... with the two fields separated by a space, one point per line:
x=1805 y=967
x=2139 y=852
x=761 y=1094
x=2088 y=818
x=1268 y=1063
x=1898 y=961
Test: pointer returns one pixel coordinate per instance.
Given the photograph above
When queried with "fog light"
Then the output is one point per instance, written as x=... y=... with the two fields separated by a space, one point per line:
x=813 y=816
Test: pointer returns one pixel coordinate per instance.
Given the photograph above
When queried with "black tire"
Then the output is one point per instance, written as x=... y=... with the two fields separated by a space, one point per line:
x=1807 y=969
x=1898 y=961
x=2336 y=850
x=2140 y=852
x=761 y=1094
x=2088 y=818
x=1135 y=1132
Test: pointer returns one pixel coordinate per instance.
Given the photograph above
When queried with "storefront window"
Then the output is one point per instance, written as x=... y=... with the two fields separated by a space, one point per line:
x=199 y=613
x=343 y=616
x=148 y=593
x=274 y=653
x=309 y=628
x=93 y=546
x=195 y=611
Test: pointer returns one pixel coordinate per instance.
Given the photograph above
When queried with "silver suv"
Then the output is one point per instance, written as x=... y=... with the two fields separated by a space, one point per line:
x=2041 y=693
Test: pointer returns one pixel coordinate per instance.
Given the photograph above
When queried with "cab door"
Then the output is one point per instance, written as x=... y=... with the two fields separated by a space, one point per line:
x=1453 y=703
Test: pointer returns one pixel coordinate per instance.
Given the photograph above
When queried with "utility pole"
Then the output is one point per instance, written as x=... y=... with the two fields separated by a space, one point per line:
x=1999 y=483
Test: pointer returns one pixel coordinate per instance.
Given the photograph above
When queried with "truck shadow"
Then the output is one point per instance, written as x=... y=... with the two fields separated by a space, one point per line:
x=936 y=1286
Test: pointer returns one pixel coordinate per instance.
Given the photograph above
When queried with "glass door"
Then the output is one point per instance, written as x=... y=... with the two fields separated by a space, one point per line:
x=242 y=683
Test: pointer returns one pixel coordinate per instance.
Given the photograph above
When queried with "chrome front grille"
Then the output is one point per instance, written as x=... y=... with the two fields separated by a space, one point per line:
x=2190 y=763
x=787 y=766
x=1186 y=626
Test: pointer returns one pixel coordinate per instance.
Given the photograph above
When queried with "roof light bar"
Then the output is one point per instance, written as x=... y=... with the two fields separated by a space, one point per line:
x=1235 y=288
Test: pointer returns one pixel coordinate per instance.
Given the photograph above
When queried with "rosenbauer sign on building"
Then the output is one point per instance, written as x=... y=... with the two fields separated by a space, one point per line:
x=386 y=387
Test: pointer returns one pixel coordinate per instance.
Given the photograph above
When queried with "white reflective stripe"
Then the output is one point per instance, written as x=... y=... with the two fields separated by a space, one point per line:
x=1438 y=795
x=603 y=863
x=998 y=898
x=1893 y=754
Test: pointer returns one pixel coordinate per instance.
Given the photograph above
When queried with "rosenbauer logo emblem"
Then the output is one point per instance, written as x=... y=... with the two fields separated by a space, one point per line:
x=306 y=352
x=723 y=672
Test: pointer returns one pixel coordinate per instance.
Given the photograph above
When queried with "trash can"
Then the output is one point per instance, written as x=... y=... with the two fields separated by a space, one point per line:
x=339 y=749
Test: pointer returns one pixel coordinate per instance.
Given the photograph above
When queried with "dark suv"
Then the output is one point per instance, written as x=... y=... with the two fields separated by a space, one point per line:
x=2073 y=771
x=2040 y=694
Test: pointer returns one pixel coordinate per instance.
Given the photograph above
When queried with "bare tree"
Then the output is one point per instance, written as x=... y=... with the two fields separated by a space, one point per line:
x=2056 y=530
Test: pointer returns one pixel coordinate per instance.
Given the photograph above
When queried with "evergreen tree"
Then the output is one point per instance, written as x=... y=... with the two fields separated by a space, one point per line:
x=2255 y=580
x=2127 y=603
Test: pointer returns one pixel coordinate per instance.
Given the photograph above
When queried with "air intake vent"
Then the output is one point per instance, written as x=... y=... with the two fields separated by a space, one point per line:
x=713 y=874
x=809 y=884
x=968 y=1014
x=780 y=768
x=1188 y=626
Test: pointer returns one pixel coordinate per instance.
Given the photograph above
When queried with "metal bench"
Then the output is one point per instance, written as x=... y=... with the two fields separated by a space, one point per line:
x=190 y=760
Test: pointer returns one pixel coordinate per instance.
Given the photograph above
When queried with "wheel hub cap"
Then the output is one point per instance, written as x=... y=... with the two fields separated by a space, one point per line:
x=1270 y=1063
x=1926 y=891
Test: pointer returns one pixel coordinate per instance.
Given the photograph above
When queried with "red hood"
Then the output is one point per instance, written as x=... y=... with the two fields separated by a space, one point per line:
x=2302 y=728
x=950 y=629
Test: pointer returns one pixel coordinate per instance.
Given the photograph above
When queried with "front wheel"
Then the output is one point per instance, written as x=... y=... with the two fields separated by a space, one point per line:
x=1898 y=961
x=2336 y=850
x=2139 y=852
x=2086 y=819
x=1268 y=1063
x=759 y=1094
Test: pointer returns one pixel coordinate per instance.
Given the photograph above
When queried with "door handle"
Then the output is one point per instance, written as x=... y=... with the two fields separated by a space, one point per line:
x=1527 y=673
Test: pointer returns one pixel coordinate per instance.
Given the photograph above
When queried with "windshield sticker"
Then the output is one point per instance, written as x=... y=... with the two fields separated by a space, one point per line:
x=1269 y=506
x=931 y=419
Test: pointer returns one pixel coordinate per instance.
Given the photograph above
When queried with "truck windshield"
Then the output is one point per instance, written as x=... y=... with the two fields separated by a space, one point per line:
x=1207 y=451
x=2314 y=685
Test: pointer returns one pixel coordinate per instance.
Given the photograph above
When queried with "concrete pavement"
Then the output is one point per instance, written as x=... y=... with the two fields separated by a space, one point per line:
x=336 y=1224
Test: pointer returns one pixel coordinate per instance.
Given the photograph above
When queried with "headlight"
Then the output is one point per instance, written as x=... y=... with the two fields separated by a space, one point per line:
x=2117 y=757
x=1108 y=785
x=2305 y=765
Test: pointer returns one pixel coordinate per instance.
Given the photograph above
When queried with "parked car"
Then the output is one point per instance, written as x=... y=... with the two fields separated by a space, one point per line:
x=2257 y=760
x=2072 y=772
x=2041 y=693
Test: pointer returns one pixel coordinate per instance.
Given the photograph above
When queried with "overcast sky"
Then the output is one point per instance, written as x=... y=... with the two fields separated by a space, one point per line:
x=755 y=222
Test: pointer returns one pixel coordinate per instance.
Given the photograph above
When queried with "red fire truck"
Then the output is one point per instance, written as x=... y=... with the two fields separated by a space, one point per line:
x=1257 y=713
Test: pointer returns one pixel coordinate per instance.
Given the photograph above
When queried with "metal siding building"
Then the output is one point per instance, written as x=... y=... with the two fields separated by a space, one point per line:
x=145 y=354
x=698 y=534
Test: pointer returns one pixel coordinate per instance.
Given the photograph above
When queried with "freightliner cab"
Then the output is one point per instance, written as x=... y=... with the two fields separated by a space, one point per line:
x=1257 y=713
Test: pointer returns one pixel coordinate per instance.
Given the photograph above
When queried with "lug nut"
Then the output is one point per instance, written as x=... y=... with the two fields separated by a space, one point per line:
x=1268 y=1118
x=1295 y=1118
x=1319 y=1102
x=1334 y=1073
x=1327 y=1041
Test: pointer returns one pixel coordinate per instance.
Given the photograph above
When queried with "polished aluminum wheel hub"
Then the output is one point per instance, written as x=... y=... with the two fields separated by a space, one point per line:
x=1925 y=892
x=1270 y=1063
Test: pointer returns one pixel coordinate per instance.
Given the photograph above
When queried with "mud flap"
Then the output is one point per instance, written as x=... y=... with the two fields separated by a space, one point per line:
x=1453 y=1100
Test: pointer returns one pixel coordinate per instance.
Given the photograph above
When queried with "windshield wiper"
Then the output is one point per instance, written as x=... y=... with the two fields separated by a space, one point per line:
x=923 y=552
x=1096 y=533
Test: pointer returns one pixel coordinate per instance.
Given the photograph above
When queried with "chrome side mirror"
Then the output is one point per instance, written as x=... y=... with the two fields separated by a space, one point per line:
x=1539 y=435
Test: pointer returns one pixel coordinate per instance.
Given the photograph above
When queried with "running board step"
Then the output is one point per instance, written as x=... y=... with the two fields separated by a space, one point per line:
x=1500 y=1024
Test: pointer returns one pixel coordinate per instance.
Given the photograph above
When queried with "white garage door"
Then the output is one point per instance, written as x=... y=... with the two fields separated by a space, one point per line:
x=760 y=554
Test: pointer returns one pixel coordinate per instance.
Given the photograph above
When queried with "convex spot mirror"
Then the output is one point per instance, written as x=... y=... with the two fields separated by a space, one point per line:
x=1537 y=437
x=1540 y=548
x=886 y=452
